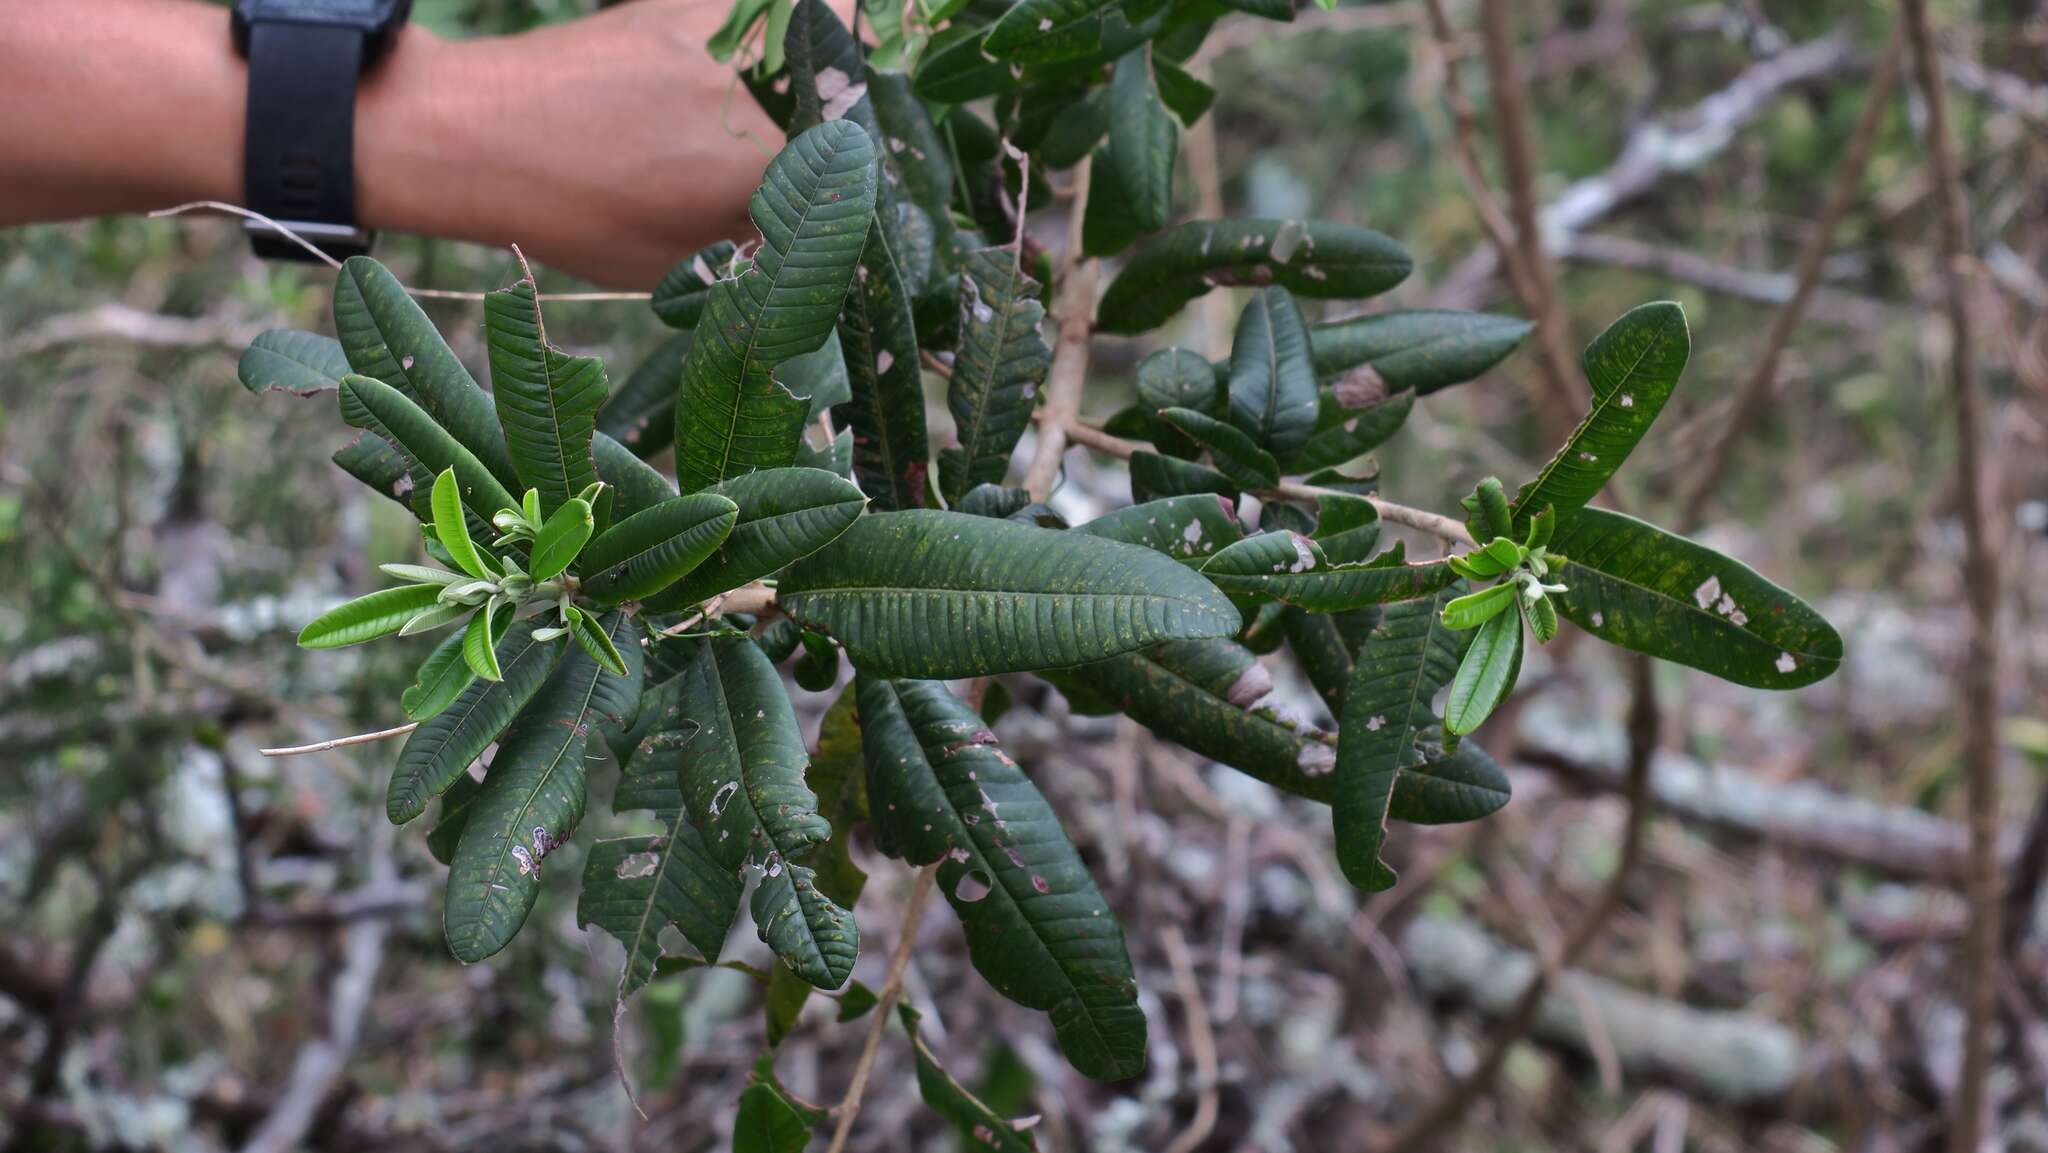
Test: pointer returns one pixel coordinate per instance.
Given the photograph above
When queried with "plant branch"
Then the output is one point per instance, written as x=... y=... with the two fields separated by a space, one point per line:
x=1518 y=163
x=1763 y=373
x=342 y=742
x=1979 y=682
x=1435 y=524
x=1441 y=1120
x=885 y=1005
x=1201 y=1039
x=1074 y=314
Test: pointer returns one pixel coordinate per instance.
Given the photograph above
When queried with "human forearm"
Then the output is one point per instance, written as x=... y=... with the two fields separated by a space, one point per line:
x=600 y=146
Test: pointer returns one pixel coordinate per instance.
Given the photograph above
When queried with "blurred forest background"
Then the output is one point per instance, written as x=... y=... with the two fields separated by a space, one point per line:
x=207 y=949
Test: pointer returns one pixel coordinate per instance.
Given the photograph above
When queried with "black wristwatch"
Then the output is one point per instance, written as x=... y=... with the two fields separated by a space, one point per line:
x=305 y=57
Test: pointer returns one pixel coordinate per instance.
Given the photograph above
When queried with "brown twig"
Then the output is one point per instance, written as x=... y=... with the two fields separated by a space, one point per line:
x=1979 y=682
x=1518 y=165
x=342 y=742
x=1441 y=1120
x=1074 y=314
x=885 y=1005
x=1201 y=1039
x=1763 y=373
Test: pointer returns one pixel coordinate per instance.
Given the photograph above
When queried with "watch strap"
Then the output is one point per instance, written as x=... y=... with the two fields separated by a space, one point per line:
x=299 y=151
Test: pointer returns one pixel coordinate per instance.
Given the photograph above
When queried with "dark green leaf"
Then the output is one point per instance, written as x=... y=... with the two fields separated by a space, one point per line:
x=1154 y=476
x=456 y=804
x=636 y=485
x=939 y=594
x=1634 y=585
x=1272 y=382
x=768 y=1123
x=1292 y=569
x=1424 y=350
x=1387 y=711
x=836 y=459
x=878 y=333
x=1186 y=94
x=651 y=550
x=387 y=338
x=1343 y=434
x=1187 y=528
x=941 y=789
x=641 y=413
x=1038 y=31
x=1177 y=378
x=1002 y=361
x=635 y=887
x=373 y=461
x=680 y=297
x=978 y=1124
x=1144 y=141
x=533 y=796
x=547 y=399
x=1633 y=367
x=743 y=785
x=286 y=360
x=1314 y=258
x=813 y=210
x=1110 y=224
x=784 y=514
x=1076 y=131
x=1243 y=461
x=383 y=411
x=958 y=72
x=441 y=749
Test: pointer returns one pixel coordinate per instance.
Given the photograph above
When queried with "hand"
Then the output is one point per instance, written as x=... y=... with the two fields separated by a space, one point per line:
x=610 y=147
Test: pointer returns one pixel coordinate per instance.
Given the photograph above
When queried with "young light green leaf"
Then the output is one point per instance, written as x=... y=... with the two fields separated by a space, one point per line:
x=443 y=747
x=1475 y=609
x=941 y=789
x=1002 y=360
x=1633 y=367
x=1315 y=258
x=442 y=677
x=1487 y=673
x=420 y=574
x=784 y=514
x=429 y=619
x=1144 y=141
x=366 y=618
x=1420 y=350
x=1272 y=383
x=451 y=527
x=480 y=641
x=547 y=399
x=1387 y=708
x=1542 y=617
x=561 y=538
x=1634 y=585
x=939 y=594
x=651 y=550
x=813 y=210
x=387 y=338
x=743 y=784
x=286 y=360
x=597 y=643
x=533 y=796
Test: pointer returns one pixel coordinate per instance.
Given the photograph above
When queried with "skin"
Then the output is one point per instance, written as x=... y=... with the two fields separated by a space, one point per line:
x=609 y=147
